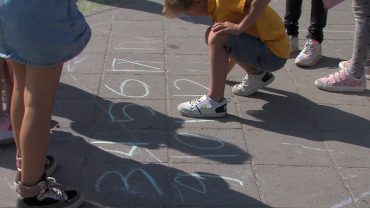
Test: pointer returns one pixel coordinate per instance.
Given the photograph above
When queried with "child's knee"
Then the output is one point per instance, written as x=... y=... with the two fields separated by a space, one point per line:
x=219 y=39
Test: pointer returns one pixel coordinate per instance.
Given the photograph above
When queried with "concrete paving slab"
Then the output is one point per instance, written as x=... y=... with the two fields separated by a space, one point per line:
x=349 y=149
x=145 y=146
x=123 y=61
x=213 y=185
x=135 y=114
x=114 y=184
x=118 y=137
x=74 y=113
x=186 y=45
x=358 y=180
x=300 y=186
x=8 y=197
x=187 y=64
x=269 y=116
x=203 y=146
x=131 y=86
x=287 y=148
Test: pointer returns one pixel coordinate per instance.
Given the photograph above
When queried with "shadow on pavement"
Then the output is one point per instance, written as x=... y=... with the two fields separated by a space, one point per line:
x=292 y=114
x=102 y=162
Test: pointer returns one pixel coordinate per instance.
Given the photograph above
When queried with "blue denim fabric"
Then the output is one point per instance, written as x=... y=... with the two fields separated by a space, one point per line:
x=250 y=50
x=42 y=33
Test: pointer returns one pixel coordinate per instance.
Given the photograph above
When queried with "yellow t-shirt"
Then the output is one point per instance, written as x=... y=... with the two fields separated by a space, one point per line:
x=269 y=27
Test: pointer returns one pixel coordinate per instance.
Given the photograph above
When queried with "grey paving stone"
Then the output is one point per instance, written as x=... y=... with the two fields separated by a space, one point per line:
x=287 y=148
x=187 y=65
x=139 y=11
x=270 y=116
x=134 y=63
x=97 y=44
x=122 y=43
x=347 y=118
x=141 y=146
x=85 y=63
x=133 y=114
x=358 y=181
x=117 y=184
x=133 y=28
x=8 y=197
x=349 y=149
x=74 y=113
x=203 y=146
x=186 y=45
x=65 y=142
x=187 y=27
x=187 y=86
x=132 y=86
x=213 y=185
x=300 y=186
x=70 y=85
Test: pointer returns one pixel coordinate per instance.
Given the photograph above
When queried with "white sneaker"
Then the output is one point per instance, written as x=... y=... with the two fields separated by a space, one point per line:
x=310 y=54
x=294 y=47
x=251 y=83
x=203 y=107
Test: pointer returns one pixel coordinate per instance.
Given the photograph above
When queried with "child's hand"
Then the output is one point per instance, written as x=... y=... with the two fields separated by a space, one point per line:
x=226 y=28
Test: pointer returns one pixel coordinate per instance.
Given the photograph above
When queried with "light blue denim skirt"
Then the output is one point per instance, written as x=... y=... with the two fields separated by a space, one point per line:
x=42 y=33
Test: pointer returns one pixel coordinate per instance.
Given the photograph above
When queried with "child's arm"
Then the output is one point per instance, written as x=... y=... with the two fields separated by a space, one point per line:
x=252 y=12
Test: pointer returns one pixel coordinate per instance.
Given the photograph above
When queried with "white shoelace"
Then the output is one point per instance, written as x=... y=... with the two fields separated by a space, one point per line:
x=51 y=189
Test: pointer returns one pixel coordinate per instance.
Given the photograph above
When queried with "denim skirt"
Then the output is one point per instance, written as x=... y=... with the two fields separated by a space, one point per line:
x=42 y=33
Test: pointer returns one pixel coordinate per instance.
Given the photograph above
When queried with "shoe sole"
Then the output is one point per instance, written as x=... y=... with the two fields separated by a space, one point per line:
x=309 y=64
x=218 y=115
x=341 y=89
x=249 y=94
x=76 y=204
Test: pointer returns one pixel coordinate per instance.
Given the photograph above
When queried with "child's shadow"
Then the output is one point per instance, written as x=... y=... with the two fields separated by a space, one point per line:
x=292 y=114
x=111 y=122
x=124 y=165
x=112 y=181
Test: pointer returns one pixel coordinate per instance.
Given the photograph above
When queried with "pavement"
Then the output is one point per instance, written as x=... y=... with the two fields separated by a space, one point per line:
x=117 y=136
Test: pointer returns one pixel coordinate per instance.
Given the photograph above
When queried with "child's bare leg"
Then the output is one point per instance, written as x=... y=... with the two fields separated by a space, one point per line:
x=39 y=87
x=219 y=64
x=8 y=82
x=17 y=102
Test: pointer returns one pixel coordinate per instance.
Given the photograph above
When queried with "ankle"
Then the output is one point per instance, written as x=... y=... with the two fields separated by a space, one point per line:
x=29 y=191
x=215 y=98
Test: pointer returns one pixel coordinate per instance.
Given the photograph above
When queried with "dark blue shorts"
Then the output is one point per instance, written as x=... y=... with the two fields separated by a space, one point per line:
x=250 y=50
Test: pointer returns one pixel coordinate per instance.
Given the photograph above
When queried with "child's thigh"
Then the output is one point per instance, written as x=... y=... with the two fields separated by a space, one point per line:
x=250 y=50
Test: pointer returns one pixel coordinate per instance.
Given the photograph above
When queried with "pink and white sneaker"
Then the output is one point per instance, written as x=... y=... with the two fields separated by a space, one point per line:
x=341 y=81
x=346 y=64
